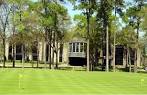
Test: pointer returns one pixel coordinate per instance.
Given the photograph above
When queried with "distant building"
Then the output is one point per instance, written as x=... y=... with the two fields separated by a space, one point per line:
x=72 y=53
x=42 y=54
x=77 y=52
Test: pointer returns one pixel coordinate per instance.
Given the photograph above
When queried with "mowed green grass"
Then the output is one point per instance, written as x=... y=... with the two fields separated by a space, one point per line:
x=56 y=82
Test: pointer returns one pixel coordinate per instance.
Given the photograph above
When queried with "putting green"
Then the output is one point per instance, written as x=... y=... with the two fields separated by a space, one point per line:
x=53 y=82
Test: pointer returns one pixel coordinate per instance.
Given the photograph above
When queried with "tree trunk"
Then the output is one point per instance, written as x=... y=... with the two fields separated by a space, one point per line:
x=135 y=61
x=53 y=57
x=49 y=59
x=114 y=40
x=114 y=56
x=129 y=60
x=137 y=43
x=37 y=55
x=88 y=63
x=57 y=53
x=88 y=40
x=4 y=26
x=13 y=46
x=53 y=48
x=107 y=49
x=4 y=52
x=49 y=48
x=32 y=63
x=127 y=55
x=45 y=63
x=13 y=50
x=22 y=52
x=56 y=50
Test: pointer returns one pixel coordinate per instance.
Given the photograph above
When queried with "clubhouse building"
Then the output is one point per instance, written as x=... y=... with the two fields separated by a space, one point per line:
x=71 y=53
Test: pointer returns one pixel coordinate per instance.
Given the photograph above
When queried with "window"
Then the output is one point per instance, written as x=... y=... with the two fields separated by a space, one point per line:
x=61 y=53
x=77 y=47
x=74 y=47
x=81 y=47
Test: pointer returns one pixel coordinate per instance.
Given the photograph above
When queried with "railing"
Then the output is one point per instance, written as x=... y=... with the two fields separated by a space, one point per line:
x=77 y=54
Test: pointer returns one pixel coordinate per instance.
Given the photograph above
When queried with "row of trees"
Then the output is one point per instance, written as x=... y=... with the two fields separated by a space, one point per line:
x=104 y=23
x=109 y=23
x=27 y=23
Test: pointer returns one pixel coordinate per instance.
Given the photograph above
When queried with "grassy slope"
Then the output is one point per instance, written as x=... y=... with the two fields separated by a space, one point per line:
x=40 y=81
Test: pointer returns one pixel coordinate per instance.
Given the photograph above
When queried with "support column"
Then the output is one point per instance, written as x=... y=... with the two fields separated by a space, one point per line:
x=40 y=54
x=30 y=56
x=44 y=51
x=65 y=53
x=138 y=58
x=7 y=50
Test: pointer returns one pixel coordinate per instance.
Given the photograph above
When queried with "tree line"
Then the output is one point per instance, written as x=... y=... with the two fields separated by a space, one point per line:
x=104 y=24
x=109 y=23
x=27 y=23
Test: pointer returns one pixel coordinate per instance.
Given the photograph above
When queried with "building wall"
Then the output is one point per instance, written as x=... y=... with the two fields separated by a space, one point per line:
x=42 y=52
x=139 y=57
x=65 y=53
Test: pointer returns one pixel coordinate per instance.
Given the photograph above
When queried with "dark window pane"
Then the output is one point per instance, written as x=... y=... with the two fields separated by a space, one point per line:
x=81 y=47
x=61 y=53
x=73 y=47
x=77 y=47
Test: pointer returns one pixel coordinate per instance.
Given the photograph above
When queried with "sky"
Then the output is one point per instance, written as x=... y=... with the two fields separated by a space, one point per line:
x=71 y=10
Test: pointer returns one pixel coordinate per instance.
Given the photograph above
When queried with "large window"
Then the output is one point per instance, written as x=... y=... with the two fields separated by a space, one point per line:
x=77 y=47
x=18 y=48
x=119 y=56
